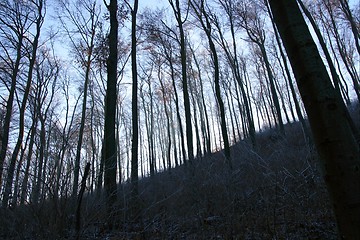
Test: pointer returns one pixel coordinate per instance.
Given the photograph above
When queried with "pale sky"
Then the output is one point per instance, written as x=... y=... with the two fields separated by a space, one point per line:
x=152 y=3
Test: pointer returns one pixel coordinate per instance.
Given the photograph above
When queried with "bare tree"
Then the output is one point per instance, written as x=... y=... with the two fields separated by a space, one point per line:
x=47 y=74
x=202 y=106
x=148 y=109
x=288 y=77
x=180 y=21
x=38 y=21
x=135 y=113
x=232 y=56
x=162 y=41
x=85 y=23
x=15 y=21
x=349 y=16
x=252 y=21
x=344 y=49
x=204 y=18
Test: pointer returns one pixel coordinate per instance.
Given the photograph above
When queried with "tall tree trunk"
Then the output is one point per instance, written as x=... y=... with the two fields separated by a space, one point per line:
x=342 y=49
x=335 y=76
x=93 y=142
x=118 y=125
x=135 y=116
x=234 y=63
x=354 y=28
x=24 y=185
x=148 y=123
x=214 y=123
x=9 y=107
x=152 y=147
x=39 y=179
x=173 y=137
x=16 y=192
x=231 y=113
x=193 y=87
x=189 y=135
x=207 y=29
x=287 y=95
x=291 y=85
x=274 y=94
x=348 y=64
x=236 y=119
x=64 y=140
x=32 y=57
x=339 y=152
x=202 y=106
x=281 y=96
x=176 y=99
x=333 y=72
x=83 y=114
x=168 y=137
x=110 y=147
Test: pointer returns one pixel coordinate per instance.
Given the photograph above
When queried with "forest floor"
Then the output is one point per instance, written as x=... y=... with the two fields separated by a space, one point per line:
x=275 y=192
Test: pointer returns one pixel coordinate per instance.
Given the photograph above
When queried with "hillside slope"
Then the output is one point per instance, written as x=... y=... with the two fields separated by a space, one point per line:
x=274 y=193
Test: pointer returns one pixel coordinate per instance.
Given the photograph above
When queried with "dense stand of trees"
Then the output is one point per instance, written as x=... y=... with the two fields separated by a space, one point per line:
x=203 y=76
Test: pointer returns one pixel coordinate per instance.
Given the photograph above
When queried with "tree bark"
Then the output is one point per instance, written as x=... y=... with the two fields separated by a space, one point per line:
x=333 y=136
x=135 y=117
x=110 y=147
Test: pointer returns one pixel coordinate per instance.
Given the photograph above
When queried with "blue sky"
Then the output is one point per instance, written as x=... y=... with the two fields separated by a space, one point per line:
x=152 y=3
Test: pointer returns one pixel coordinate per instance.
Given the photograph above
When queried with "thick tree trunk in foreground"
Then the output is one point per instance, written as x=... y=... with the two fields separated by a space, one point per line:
x=110 y=112
x=334 y=139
